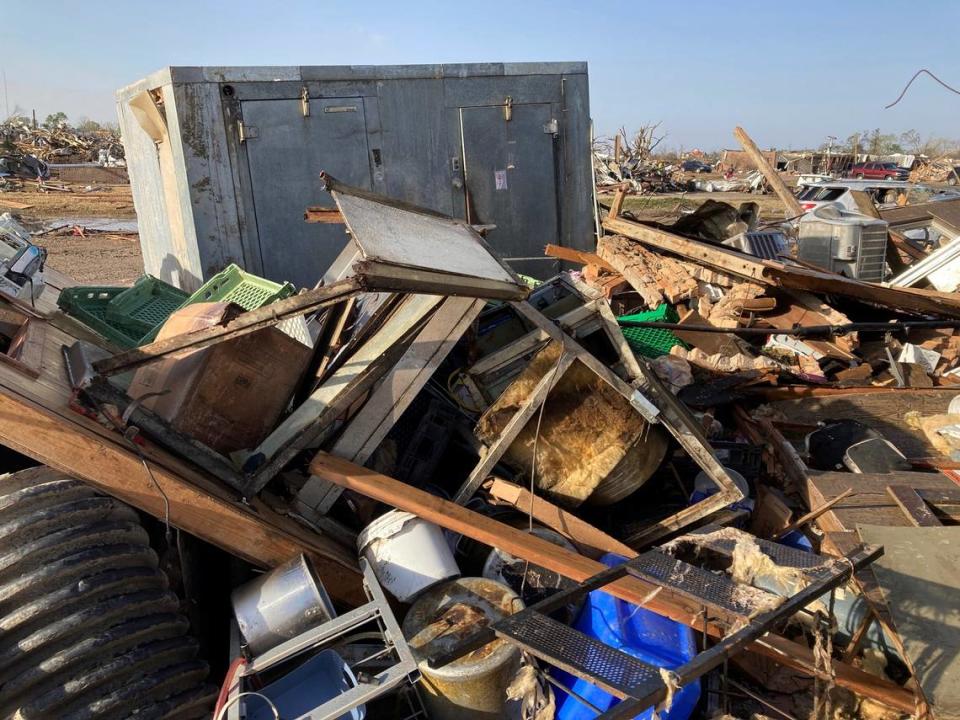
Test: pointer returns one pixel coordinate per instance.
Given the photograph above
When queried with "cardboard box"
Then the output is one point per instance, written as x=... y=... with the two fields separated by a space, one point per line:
x=228 y=396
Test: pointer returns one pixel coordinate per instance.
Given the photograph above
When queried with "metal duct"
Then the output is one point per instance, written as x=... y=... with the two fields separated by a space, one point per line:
x=88 y=626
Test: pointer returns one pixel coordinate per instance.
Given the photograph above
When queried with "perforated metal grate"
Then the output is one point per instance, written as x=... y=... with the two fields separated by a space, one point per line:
x=715 y=591
x=581 y=655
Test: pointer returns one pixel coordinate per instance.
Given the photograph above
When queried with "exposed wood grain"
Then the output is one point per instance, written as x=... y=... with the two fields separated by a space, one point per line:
x=913 y=506
x=869 y=504
x=578 y=256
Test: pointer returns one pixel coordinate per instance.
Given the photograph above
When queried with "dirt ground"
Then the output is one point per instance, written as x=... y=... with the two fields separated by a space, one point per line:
x=667 y=207
x=115 y=259
x=94 y=258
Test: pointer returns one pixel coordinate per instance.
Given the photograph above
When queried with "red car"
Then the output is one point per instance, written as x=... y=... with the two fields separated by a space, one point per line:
x=878 y=171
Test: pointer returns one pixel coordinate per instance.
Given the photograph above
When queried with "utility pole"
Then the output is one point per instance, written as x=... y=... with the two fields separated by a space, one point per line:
x=830 y=140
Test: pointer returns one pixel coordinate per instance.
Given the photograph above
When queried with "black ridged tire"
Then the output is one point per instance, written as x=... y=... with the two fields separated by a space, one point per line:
x=88 y=626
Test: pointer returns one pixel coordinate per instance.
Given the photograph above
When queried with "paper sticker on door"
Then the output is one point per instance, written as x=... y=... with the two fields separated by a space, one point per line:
x=500 y=178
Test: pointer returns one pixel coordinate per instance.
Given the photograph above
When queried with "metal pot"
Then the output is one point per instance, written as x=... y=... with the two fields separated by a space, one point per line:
x=280 y=605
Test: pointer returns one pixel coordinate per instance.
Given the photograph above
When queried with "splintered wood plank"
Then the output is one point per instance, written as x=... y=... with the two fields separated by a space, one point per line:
x=913 y=506
x=869 y=503
x=578 y=257
x=654 y=276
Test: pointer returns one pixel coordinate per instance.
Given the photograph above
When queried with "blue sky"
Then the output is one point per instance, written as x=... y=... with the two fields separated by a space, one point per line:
x=790 y=73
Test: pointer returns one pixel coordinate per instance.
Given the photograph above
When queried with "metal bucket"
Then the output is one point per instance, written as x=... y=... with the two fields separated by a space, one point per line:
x=474 y=686
x=280 y=605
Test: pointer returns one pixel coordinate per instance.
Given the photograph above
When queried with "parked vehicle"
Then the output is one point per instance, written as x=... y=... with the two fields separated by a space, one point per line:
x=878 y=171
x=884 y=192
x=696 y=166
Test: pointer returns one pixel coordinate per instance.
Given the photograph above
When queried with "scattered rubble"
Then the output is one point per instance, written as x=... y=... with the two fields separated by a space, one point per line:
x=635 y=486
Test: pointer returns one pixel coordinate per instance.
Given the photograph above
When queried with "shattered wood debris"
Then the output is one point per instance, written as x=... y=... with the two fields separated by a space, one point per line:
x=595 y=447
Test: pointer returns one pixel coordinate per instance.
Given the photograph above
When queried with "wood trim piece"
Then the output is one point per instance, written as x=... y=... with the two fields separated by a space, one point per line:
x=244 y=324
x=589 y=540
x=367 y=429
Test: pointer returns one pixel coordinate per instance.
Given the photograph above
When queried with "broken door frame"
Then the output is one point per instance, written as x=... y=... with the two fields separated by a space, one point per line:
x=663 y=408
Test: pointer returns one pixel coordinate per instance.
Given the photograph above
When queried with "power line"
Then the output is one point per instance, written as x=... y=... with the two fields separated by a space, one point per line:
x=916 y=75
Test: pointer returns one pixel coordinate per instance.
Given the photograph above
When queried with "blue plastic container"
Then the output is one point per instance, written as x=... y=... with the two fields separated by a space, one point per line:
x=636 y=631
x=319 y=679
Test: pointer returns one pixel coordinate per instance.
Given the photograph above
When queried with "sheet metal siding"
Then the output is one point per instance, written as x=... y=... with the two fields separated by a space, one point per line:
x=419 y=144
x=143 y=167
x=211 y=191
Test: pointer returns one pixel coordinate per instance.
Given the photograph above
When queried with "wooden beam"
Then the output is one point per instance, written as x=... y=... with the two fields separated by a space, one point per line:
x=246 y=323
x=588 y=539
x=491 y=532
x=616 y=205
x=578 y=256
x=196 y=505
x=769 y=172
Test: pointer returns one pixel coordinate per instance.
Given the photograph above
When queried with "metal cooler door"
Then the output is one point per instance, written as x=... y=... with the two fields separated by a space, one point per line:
x=286 y=151
x=509 y=170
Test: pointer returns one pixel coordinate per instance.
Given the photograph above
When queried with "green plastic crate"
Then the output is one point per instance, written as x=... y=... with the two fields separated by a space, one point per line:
x=651 y=342
x=232 y=284
x=238 y=286
x=89 y=306
x=145 y=306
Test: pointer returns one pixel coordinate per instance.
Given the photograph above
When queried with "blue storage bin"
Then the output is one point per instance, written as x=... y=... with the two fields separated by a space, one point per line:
x=647 y=636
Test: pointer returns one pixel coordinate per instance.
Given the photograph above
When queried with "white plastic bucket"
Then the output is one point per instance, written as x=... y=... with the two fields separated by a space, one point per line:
x=407 y=554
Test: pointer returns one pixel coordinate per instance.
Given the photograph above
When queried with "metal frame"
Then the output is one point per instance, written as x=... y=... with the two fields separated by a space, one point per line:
x=378 y=609
x=661 y=406
x=823 y=574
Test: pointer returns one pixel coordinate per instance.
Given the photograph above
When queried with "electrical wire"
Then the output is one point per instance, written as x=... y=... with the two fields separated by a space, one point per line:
x=125 y=433
x=533 y=464
x=919 y=72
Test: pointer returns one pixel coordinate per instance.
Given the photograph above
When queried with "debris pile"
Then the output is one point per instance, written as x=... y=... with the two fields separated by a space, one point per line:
x=61 y=144
x=940 y=170
x=634 y=486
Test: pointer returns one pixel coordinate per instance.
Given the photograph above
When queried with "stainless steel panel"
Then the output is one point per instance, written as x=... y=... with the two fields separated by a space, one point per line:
x=285 y=158
x=509 y=170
